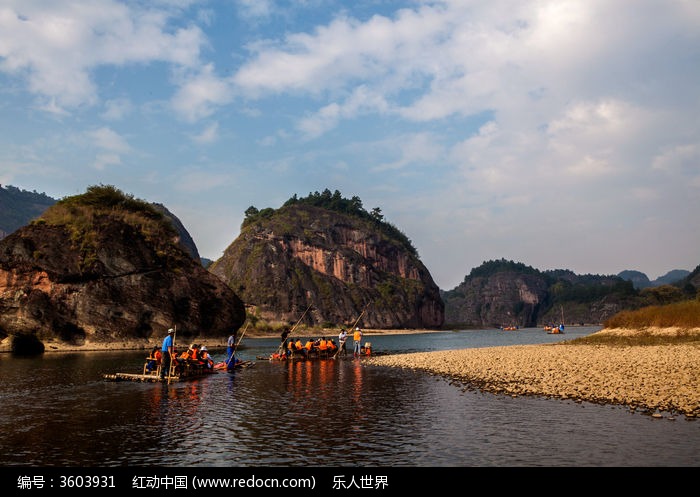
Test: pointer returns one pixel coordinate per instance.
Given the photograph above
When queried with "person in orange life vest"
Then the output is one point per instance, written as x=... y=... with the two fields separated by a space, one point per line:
x=153 y=359
x=323 y=346
x=185 y=356
x=357 y=338
x=194 y=353
x=308 y=346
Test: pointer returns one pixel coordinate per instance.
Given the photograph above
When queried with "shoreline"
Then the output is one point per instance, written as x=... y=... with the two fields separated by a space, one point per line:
x=660 y=380
x=56 y=346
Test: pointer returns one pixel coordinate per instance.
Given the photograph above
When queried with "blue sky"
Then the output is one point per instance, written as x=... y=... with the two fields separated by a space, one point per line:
x=560 y=134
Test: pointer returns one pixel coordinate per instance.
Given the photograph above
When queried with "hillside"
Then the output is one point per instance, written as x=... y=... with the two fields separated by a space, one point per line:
x=18 y=207
x=506 y=293
x=327 y=254
x=103 y=267
x=641 y=280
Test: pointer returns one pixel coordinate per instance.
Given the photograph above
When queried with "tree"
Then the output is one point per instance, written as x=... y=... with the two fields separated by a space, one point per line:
x=251 y=211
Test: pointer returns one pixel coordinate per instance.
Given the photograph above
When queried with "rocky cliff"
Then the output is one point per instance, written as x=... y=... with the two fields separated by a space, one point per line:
x=103 y=267
x=505 y=293
x=185 y=240
x=336 y=264
x=505 y=298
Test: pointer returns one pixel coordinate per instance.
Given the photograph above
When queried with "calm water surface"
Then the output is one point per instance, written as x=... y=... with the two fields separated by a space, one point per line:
x=56 y=410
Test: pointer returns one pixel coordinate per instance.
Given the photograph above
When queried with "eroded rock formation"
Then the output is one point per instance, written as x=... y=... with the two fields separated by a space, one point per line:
x=337 y=264
x=94 y=274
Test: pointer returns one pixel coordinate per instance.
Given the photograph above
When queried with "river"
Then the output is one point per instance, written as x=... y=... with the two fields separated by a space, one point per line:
x=56 y=410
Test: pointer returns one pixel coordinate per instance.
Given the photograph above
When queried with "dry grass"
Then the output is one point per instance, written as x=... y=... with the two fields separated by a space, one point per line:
x=677 y=323
x=643 y=336
x=684 y=314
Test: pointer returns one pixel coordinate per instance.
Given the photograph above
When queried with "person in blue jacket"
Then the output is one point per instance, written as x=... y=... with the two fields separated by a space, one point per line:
x=230 y=345
x=167 y=351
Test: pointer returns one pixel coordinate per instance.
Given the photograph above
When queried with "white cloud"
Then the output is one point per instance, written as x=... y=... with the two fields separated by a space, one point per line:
x=361 y=101
x=208 y=135
x=333 y=56
x=523 y=122
x=111 y=146
x=681 y=157
x=107 y=139
x=116 y=110
x=200 y=180
x=200 y=94
x=56 y=46
x=102 y=161
x=254 y=8
x=419 y=149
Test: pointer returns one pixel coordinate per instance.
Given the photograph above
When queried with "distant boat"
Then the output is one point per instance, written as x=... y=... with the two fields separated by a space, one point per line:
x=555 y=330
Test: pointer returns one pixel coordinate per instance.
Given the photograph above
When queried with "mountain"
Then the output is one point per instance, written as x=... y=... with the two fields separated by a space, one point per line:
x=103 y=267
x=507 y=293
x=671 y=277
x=692 y=280
x=18 y=207
x=640 y=280
x=327 y=254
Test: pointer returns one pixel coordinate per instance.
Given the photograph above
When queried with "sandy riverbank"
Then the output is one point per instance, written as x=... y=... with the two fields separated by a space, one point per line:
x=652 y=378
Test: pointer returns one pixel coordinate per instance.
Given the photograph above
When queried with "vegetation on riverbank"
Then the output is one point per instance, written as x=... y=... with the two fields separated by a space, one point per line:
x=677 y=323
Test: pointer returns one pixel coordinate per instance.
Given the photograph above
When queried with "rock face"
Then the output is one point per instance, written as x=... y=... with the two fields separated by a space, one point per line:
x=186 y=241
x=503 y=299
x=505 y=293
x=87 y=272
x=334 y=264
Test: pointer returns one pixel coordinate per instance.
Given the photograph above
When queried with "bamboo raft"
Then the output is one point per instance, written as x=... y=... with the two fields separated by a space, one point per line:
x=154 y=378
x=314 y=355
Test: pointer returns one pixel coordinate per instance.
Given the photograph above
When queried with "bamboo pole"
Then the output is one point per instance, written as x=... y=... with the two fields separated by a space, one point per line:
x=235 y=347
x=279 y=349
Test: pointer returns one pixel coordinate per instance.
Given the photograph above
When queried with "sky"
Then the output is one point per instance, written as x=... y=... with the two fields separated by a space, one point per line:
x=558 y=134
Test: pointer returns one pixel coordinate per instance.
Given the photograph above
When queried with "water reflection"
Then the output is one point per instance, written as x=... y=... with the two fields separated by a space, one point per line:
x=57 y=411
